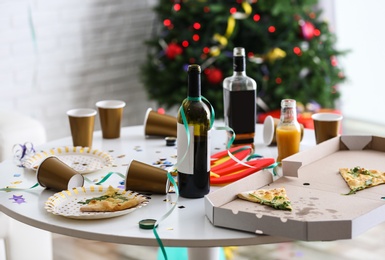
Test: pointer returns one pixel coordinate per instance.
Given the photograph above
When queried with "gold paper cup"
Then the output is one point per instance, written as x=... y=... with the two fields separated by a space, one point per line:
x=142 y=177
x=159 y=125
x=110 y=115
x=326 y=126
x=82 y=123
x=54 y=174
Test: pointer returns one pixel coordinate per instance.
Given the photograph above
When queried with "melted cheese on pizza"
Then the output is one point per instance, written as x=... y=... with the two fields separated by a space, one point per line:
x=359 y=178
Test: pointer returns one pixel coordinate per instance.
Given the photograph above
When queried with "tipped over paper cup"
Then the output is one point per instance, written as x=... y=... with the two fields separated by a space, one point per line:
x=159 y=124
x=269 y=130
x=142 y=177
x=54 y=174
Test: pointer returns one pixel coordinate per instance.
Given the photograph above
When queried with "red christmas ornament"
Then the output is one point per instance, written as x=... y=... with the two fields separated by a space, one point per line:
x=307 y=30
x=173 y=50
x=214 y=75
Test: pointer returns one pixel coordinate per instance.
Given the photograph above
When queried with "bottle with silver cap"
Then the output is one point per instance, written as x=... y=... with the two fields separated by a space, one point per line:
x=288 y=133
x=239 y=100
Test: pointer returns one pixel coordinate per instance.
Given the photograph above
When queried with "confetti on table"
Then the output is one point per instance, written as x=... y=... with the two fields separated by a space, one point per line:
x=121 y=156
x=17 y=175
x=18 y=199
x=16 y=182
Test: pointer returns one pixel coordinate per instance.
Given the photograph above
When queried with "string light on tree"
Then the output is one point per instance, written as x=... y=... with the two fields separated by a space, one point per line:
x=282 y=39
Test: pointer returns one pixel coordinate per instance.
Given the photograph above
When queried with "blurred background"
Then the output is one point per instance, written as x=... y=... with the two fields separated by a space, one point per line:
x=64 y=54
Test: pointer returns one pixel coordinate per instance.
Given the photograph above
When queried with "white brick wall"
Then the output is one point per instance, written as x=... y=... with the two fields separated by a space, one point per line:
x=63 y=54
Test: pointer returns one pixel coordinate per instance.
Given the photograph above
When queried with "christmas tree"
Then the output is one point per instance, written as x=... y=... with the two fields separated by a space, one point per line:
x=290 y=51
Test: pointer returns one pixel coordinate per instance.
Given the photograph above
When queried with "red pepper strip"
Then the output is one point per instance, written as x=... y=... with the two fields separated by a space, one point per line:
x=221 y=154
x=239 y=155
x=264 y=162
x=237 y=167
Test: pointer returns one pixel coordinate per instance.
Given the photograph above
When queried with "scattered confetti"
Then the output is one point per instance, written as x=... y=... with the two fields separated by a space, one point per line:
x=17 y=175
x=16 y=182
x=170 y=228
x=181 y=207
x=110 y=151
x=18 y=199
x=121 y=156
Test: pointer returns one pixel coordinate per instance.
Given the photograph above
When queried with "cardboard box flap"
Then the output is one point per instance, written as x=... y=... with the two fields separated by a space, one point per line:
x=291 y=164
x=351 y=142
x=222 y=196
x=378 y=144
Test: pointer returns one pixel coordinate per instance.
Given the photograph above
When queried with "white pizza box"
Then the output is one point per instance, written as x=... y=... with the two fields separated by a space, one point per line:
x=321 y=210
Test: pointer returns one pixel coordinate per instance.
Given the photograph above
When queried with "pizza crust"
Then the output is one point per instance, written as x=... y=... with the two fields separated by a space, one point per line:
x=276 y=198
x=112 y=200
x=111 y=205
x=359 y=178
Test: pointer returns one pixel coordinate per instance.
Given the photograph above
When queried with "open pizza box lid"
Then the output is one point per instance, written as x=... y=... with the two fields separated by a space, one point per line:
x=312 y=181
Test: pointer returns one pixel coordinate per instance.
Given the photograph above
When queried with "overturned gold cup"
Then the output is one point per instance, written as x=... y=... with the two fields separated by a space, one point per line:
x=142 y=177
x=159 y=124
x=54 y=174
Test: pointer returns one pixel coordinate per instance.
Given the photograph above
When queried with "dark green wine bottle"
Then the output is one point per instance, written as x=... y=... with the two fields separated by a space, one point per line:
x=193 y=151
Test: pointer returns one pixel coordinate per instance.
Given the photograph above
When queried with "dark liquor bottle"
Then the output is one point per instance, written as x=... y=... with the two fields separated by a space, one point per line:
x=193 y=150
x=239 y=100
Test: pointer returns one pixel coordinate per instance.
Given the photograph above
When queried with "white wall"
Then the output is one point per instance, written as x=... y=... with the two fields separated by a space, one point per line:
x=56 y=55
x=360 y=28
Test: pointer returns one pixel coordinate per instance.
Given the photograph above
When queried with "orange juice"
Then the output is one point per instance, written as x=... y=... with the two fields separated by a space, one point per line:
x=288 y=139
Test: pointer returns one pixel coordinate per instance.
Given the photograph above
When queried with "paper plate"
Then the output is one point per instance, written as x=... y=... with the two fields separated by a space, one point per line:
x=65 y=203
x=81 y=159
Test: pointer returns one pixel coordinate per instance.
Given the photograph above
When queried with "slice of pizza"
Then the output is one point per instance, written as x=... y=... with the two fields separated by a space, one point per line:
x=276 y=198
x=112 y=200
x=358 y=178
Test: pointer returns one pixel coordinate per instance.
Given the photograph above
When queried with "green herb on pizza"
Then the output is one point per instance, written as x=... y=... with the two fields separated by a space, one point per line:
x=275 y=198
x=358 y=178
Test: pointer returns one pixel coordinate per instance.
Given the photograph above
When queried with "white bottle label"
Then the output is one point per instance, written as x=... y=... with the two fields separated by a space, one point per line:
x=185 y=157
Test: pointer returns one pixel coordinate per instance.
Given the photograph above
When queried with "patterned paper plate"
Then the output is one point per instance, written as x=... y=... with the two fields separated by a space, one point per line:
x=81 y=159
x=65 y=203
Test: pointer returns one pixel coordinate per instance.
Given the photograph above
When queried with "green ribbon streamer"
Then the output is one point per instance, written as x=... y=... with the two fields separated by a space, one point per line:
x=169 y=176
x=32 y=27
x=274 y=167
x=15 y=189
x=171 y=179
x=194 y=98
x=85 y=178
x=212 y=114
x=105 y=178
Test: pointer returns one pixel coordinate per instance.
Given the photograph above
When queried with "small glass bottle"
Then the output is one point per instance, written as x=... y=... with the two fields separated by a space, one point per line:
x=288 y=133
x=239 y=100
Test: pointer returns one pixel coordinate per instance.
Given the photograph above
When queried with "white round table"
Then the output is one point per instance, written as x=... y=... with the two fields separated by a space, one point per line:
x=186 y=226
